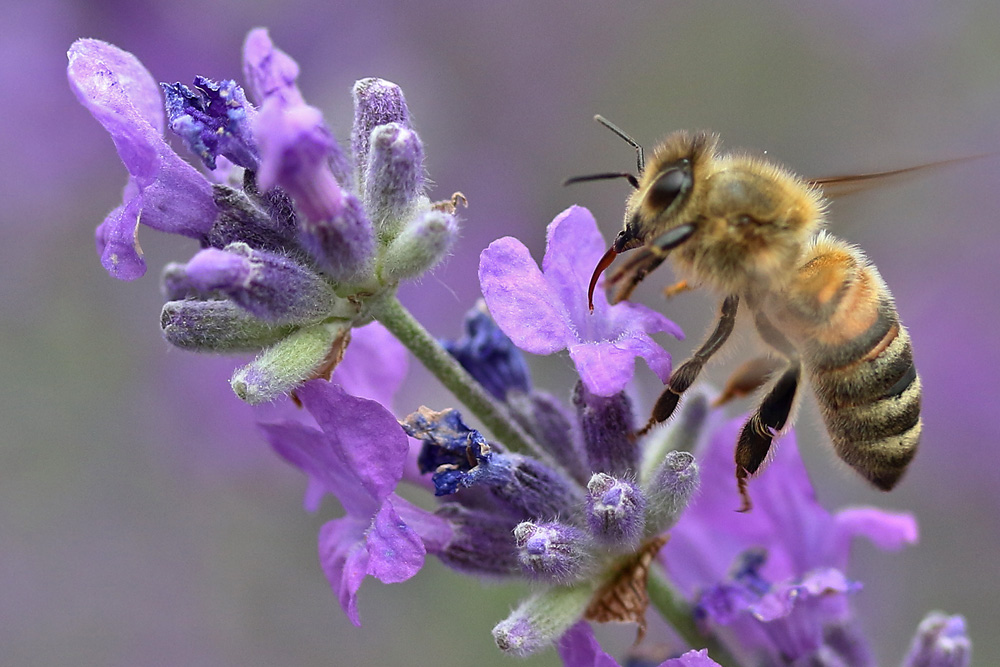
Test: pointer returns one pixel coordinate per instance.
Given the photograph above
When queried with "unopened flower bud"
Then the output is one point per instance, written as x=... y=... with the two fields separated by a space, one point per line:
x=615 y=511
x=270 y=286
x=669 y=490
x=217 y=326
x=376 y=102
x=291 y=361
x=242 y=219
x=394 y=177
x=941 y=641
x=553 y=551
x=343 y=241
x=541 y=619
x=420 y=246
x=482 y=542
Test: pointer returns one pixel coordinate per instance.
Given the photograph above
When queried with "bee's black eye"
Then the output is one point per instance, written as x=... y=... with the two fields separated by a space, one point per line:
x=668 y=186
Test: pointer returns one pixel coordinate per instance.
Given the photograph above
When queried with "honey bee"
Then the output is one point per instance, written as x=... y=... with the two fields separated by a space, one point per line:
x=752 y=231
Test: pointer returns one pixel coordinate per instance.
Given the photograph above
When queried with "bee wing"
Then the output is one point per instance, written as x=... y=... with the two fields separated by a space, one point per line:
x=849 y=184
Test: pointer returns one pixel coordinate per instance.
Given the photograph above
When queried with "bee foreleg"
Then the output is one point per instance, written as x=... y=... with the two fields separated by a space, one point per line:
x=760 y=429
x=684 y=376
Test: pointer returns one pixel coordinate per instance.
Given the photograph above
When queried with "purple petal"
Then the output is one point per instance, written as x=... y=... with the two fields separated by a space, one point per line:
x=91 y=61
x=311 y=451
x=435 y=531
x=579 y=648
x=269 y=71
x=117 y=243
x=344 y=559
x=889 y=531
x=374 y=365
x=396 y=551
x=573 y=246
x=366 y=436
x=520 y=299
x=692 y=659
x=607 y=366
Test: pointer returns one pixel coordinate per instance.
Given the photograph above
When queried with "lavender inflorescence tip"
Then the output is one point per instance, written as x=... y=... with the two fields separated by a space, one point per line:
x=305 y=235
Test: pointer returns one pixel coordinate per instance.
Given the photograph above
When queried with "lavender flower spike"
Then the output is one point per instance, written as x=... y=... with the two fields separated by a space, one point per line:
x=546 y=311
x=163 y=191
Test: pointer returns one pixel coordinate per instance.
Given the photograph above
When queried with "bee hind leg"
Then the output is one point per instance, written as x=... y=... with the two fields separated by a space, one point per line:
x=760 y=429
x=684 y=376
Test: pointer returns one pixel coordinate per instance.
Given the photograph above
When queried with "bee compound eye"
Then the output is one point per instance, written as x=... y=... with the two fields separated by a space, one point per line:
x=668 y=186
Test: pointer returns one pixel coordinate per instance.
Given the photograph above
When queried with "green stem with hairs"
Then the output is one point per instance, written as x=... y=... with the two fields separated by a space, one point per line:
x=494 y=416
x=677 y=613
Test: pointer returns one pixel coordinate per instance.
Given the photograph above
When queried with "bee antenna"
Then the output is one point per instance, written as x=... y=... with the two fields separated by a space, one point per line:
x=604 y=177
x=639 y=157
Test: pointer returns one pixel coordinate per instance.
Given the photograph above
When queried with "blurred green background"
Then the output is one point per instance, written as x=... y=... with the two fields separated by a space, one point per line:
x=142 y=520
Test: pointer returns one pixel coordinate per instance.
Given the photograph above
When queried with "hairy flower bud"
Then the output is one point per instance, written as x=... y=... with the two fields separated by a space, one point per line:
x=669 y=490
x=615 y=511
x=394 y=177
x=941 y=641
x=291 y=361
x=552 y=551
x=217 y=326
x=419 y=247
x=270 y=286
x=541 y=619
x=376 y=102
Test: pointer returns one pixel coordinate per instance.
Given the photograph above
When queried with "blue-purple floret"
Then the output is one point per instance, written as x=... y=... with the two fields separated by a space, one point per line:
x=213 y=119
x=490 y=356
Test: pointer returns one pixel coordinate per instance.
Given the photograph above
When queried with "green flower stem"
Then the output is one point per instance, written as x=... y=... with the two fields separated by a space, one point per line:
x=676 y=612
x=398 y=320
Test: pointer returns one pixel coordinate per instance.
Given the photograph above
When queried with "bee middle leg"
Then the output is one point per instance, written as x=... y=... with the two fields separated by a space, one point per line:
x=684 y=376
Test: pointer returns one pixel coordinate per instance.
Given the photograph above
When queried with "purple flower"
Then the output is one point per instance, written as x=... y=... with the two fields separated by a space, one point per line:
x=358 y=454
x=546 y=311
x=579 y=648
x=163 y=191
x=774 y=578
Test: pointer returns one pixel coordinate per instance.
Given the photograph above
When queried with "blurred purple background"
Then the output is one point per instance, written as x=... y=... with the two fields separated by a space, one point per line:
x=142 y=521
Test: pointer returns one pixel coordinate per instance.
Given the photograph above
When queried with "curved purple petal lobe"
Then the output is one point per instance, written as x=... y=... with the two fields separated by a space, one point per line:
x=889 y=531
x=344 y=559
x=117 y=242
x=396 y=552
x=521 y=301
x=310 y=451
x=269 y=71
x=107 y=80
x=573 y=247
x=434 y=531
x=365 y=435
x=579 y=648
x=607 y=366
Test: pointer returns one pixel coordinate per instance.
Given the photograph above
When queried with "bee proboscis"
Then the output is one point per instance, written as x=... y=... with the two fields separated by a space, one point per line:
x=751 y=231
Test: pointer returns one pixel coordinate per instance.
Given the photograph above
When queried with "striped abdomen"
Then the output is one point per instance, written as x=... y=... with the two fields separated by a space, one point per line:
x=859 y=360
